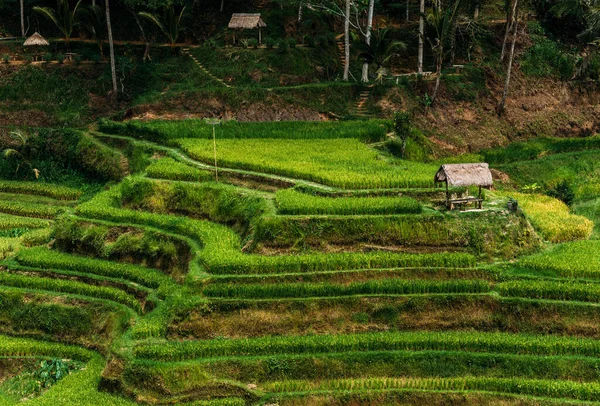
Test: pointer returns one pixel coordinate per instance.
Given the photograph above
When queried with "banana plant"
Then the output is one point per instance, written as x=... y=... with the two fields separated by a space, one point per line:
x=95 y=23
x=19 y=153
x=441 y=22
x=63 y=17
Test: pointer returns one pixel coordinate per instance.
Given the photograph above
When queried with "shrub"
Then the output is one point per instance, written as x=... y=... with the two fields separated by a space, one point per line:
x=270 y=43
x=564 y=192
x=60 y=58
x=6 y=58
x=545 y=58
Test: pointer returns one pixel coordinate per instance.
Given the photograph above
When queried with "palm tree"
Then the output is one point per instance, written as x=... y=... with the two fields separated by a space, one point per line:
x=170 y=25
x=381 y=49
x=365 y=67
x=21 y=152
x=63 y=17
x=95 y=24
x=441 y=22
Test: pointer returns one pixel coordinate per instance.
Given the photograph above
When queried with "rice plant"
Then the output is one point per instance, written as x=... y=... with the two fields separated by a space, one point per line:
x=166 y=131
x=290 y=201
x=168 y=168
x=40 y=189
x=378 y=287
x=344 y=163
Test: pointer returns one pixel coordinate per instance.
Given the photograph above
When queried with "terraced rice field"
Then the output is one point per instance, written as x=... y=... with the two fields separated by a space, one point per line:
x=171 y=288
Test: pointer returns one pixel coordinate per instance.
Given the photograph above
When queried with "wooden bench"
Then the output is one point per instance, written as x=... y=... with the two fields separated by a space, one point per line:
x=465 y=200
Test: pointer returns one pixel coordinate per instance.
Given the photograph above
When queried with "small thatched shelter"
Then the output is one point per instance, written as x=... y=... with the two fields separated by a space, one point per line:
x=245 y=21
x=36 y=40
x=464 y=175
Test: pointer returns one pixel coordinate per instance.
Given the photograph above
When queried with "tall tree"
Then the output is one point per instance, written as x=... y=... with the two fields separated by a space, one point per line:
x=365 y=67
x=113 y=66
x=511 y=12
x=502 y=104
x=347 y=41
x=441 y=20
x=22 y=18
x=421 y=35
x=63 y=17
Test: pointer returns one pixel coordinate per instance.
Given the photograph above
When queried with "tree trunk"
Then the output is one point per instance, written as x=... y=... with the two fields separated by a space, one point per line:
x=510 y=21
x=144 y=37
x=407 y=10
x=438 y=72
x=511 y=56
x=365 y=68
x=300 y=10
x=113 y=67
x=222 y=6
x=22 y=19
x=93 y=3
x=347 y=41
x=421 y=35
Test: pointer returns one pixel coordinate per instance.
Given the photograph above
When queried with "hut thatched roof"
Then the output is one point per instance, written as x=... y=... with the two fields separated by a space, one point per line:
x=36 y=40
x=465 y=175
x=246 y=21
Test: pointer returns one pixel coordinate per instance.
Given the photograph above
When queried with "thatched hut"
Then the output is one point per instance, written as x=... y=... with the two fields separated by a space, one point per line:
x=245 y=21
x=36 y=40
x=464 y=175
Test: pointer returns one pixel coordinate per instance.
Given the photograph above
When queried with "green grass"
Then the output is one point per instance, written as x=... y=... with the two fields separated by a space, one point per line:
x=290 y=201
x=591 y=210
x=344 y=163
x=579 y=169
x=169 y=131
x=538 y=148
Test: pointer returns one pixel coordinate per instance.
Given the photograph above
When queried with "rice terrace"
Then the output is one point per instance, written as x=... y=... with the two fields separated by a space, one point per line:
x=299 y=202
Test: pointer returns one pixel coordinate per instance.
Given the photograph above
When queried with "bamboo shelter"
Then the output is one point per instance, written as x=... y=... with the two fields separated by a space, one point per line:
x=245 y=21
x=464 y=175
x=36 y=40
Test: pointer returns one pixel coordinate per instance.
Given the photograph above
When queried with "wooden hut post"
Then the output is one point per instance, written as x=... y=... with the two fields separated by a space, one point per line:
x=447 y=194
x=259 y=35
x=233 y=37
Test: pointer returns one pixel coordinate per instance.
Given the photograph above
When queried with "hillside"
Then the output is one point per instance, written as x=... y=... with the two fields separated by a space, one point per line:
x=238 y=224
